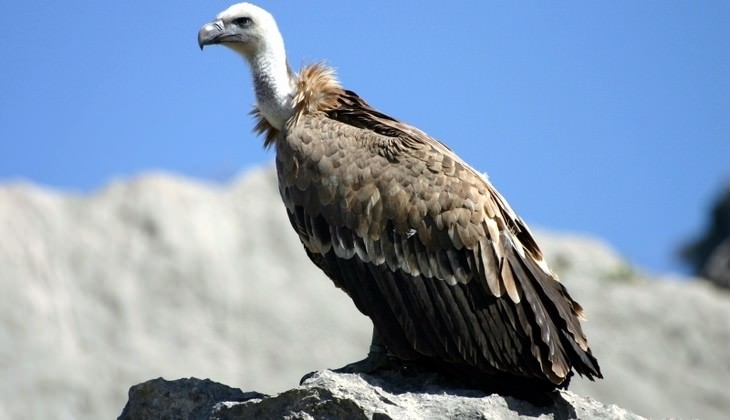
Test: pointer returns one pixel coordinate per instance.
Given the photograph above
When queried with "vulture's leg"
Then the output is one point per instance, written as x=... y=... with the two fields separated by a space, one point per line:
x=378 y=358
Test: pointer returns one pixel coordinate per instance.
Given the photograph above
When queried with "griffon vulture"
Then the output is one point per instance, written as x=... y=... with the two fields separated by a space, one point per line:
x=423 y=244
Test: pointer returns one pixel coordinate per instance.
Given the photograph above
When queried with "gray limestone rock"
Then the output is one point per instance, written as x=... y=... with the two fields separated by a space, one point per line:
x=162 y=276
x=330 y=395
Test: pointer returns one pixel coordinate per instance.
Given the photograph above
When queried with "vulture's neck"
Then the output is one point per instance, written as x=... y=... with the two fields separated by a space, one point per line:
x=273 y=84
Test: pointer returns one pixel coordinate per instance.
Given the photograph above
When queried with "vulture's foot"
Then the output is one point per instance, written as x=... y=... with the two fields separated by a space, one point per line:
x=378 y=359
x=386 y=361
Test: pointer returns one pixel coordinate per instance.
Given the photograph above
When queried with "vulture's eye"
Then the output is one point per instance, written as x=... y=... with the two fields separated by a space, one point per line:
x=242 y=21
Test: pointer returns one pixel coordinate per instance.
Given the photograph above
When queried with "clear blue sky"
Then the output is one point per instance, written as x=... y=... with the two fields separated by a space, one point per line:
x=608 y=118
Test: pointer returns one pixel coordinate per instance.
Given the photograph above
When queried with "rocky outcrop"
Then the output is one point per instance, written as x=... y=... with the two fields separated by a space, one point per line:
x=161 y=276
x=330 y=395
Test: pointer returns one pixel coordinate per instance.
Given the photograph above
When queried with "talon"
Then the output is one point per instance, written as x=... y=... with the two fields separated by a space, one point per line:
x=373 y=363
x=306 y=376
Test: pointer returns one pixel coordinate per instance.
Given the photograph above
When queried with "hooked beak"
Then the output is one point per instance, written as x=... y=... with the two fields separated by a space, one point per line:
x=215 y=33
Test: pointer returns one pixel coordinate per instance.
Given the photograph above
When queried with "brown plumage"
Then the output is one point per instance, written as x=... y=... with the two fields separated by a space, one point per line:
x=421 y=242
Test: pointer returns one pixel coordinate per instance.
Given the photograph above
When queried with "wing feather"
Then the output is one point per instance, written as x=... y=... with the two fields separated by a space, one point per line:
x=426 y=247
x=509 y=283
x=488 y=258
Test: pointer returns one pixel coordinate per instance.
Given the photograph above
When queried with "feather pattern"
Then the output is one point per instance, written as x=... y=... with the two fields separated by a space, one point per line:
x=422 y=243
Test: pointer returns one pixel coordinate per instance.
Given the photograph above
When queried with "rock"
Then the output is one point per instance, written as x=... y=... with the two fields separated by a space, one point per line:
x=330 y=395
x=661 y=342
x=184 y=398
x=162 y=276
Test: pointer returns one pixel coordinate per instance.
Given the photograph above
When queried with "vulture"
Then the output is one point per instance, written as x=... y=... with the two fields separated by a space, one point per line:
x=423 y=244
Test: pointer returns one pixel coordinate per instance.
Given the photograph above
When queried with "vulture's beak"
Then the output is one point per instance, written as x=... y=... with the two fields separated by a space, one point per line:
x=215 y=33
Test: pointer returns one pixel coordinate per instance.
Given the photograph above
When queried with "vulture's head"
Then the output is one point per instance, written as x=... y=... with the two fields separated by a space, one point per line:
x=252 y=32
x=245 y=28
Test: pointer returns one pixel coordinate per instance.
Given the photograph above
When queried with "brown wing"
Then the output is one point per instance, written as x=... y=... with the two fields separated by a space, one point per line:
x=426 y=247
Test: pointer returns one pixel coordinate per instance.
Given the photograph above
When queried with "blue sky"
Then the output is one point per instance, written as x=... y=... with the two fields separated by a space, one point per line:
x=607 y=118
